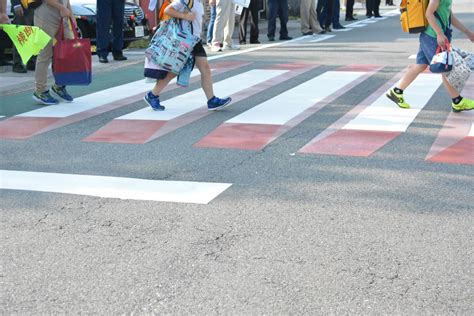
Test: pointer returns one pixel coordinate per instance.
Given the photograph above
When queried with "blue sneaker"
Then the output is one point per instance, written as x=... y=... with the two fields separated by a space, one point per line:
x=61 y=92
x=44 y=98
x=215 y=104
x=153 y=101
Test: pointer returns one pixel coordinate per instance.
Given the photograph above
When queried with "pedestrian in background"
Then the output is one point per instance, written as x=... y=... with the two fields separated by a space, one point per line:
x=187 y=16
x=372 y=8
x=22 y=16
x=350 y=10
x=325 y=11
x=47 y=17
x=110 y=11
x=251 y=11
x=224 y=26
x=278 y=8
x=309 y=17
x=212 y=19
x=336 y=24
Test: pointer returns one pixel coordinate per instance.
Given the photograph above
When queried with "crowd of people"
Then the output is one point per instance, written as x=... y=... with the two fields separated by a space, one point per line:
x=316 y=17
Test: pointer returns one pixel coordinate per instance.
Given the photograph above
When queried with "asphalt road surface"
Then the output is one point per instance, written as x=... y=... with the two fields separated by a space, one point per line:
x=310 y=194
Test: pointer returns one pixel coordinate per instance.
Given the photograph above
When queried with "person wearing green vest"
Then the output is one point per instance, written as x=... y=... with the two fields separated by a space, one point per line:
x=438 y=33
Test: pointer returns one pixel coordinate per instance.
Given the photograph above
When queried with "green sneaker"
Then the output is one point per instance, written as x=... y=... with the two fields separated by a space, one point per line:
x=397 y=98
x=464 y=105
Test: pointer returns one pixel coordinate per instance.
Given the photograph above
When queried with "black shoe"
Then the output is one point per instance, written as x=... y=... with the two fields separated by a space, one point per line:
x=255 y=42
x=351 y=19
x=103 y=60
x=19 y=68
x=271 y=38
x=119 y=57
x=308 y=33
x=328 y=29
x=285 y=38
x=377 y=16
x=322 y=32
x=369 y=15
x=243 y=42
x=338 y=27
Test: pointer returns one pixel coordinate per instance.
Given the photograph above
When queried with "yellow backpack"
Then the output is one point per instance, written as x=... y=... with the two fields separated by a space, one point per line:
x=413 y=15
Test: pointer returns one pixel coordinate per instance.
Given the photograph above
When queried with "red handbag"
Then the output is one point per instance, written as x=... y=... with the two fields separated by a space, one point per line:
x=72 y=64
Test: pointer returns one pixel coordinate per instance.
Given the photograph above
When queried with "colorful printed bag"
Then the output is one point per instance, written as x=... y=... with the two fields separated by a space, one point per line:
x=171 y=46
x=461 y=71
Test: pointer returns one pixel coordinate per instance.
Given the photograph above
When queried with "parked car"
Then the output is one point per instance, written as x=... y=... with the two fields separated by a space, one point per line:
x=135 y=24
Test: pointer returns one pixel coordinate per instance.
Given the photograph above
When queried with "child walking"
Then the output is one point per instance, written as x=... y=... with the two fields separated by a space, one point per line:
x=177 y=9
x=437 y=33
x=47 y=17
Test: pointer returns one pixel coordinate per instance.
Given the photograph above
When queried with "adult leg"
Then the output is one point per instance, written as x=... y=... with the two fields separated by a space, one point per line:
x=336 y=8
x=283 y=15
x=45 y=56
x=210 y=27
x=253 y=8
x=118 y=8
x=272 y=14
x=349 y=9
x=206 y=79
x=230 y=23
x=104 y=15
x=329 y=12
x=243 y=25
x=305 y=15
x=313 y=18
x=369 y=6
x=320 y=12
x=376 y=7
x=219 y=23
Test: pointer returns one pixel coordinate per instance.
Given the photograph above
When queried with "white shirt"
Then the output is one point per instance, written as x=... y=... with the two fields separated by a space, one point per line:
x=197 y=9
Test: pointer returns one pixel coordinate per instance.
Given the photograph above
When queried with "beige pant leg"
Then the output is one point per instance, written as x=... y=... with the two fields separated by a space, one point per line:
x=219 y=23
x=229 y=28
x=45 y=56
x=305 y=7
x=313 y=18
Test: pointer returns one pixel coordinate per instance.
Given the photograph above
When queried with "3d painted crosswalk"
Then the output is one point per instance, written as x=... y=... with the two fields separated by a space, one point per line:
x=455 y=141
x=45 y=119
x=362 y=131
x=372 y=124
x=255 y=128
x=145 y=125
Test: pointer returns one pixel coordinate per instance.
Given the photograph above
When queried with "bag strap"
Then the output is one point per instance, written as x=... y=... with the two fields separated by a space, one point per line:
x=443 y=27
x=60 y=35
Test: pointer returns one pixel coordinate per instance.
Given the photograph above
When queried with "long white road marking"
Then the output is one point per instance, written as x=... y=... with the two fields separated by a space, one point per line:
x=321 y=38
x=113 y=187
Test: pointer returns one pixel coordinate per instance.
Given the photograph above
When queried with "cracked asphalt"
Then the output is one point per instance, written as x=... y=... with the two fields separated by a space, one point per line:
x=295 y=234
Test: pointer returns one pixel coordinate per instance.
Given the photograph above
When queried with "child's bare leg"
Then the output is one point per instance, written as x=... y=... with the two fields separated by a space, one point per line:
x=162 y=83
x=453 y=93
x=410 y=75
x=206 y=78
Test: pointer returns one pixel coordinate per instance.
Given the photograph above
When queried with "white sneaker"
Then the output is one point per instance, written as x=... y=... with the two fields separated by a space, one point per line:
x=231 y=47
x=216 y=47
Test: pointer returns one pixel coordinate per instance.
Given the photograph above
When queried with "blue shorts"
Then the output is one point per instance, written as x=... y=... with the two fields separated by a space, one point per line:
x=428 y=47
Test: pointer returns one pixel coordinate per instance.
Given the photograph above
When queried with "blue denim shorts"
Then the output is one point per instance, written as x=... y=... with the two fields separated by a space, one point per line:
x=428 y=47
